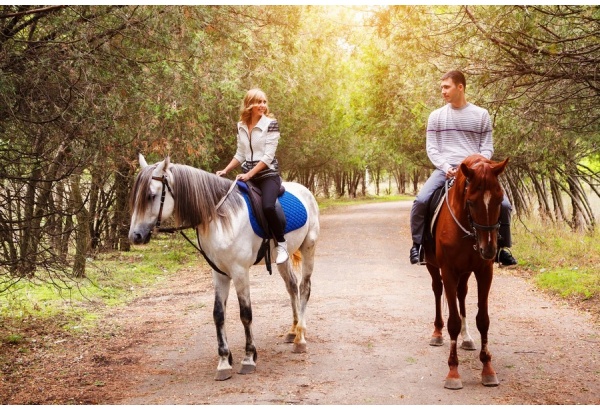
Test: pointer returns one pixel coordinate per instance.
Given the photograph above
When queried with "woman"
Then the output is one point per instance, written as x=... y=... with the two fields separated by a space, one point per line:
x=257 y=139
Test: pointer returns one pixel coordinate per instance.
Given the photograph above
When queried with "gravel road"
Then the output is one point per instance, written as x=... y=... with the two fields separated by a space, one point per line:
x=369 y=322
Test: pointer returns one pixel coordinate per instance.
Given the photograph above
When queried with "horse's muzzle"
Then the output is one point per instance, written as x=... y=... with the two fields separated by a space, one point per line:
x=140 y=238
x=488 y=252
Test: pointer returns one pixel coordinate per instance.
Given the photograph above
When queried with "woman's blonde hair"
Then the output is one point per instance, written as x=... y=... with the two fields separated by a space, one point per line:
x=251 y=99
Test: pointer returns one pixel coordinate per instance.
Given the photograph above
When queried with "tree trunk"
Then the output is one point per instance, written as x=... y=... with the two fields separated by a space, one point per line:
x=121 y=217
x=82 y=232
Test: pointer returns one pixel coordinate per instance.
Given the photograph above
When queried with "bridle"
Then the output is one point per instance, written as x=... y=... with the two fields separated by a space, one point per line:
x=474 y=225
x=165 y=186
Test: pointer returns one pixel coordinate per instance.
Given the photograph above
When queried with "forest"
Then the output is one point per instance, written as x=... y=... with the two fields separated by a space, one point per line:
x=84 y=89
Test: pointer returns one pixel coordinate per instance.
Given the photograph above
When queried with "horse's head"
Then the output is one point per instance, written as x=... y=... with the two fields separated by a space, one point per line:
x=483 y=197
x=151 y=199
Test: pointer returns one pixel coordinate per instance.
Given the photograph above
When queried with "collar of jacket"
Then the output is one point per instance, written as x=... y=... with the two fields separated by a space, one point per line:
x=263 y=124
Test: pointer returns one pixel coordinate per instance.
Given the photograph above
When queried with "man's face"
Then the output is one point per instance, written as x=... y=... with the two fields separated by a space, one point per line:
x=450 y=91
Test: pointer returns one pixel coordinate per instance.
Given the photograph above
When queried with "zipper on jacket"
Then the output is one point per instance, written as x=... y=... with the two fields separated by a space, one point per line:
x=249 y=133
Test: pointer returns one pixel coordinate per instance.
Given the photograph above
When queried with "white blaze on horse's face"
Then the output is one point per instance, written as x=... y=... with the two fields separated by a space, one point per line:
x=487 y=197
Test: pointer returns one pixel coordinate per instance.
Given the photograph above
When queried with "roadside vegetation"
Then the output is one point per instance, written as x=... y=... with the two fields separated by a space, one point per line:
x=559 y=261
x=113 y=279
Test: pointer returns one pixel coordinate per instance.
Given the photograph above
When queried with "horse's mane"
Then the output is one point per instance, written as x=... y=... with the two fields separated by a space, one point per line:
x=196 y=192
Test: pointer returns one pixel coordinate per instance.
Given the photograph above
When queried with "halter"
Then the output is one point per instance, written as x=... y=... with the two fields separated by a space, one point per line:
x=474 y=226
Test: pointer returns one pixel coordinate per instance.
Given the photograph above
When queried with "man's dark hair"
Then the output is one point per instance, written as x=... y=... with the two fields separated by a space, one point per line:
x=457 y=77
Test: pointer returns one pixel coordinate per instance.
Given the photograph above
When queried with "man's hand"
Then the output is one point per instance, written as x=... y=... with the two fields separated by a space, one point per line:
x=451 y=173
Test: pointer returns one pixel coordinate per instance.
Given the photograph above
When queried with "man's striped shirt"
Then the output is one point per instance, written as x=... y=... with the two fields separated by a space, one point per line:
x=455 y=133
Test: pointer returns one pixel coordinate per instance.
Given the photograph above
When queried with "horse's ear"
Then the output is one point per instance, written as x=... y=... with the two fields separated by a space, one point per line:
x=164 y=165
x=142 y=160
x=467 y=172
x=499 y=167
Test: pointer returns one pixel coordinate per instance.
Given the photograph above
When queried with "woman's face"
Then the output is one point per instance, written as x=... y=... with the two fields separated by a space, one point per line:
x=259 y=106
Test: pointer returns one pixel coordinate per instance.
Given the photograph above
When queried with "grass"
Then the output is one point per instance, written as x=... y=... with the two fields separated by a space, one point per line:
x=112 y=279
x=560 y=261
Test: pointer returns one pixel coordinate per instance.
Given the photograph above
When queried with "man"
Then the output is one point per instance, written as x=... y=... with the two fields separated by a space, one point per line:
x=454 y=132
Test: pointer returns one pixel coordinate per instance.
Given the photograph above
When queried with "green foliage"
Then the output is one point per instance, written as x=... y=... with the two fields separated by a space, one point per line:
x=572 y=282
x=13 y=339
x=113 y=279
x=561 y=261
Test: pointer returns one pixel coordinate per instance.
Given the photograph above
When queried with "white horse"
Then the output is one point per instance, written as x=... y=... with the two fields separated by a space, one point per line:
x=225 y=234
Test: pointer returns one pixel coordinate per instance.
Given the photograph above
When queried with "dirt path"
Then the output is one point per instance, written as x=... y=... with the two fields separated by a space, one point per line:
x=369 y=322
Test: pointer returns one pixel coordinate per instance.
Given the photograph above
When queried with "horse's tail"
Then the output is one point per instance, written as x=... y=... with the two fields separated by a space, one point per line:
x=296 y=258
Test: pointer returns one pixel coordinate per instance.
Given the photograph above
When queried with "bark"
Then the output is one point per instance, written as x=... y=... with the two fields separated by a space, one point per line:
x=82 y=234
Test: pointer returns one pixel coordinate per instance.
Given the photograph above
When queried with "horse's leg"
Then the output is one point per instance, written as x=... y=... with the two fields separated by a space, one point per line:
x=308 y=263
x=291 y=284
x=242 y=287
x=454 y=325
x=437 y=338
x=463 y=289
x=484 y=283
x=222 y=285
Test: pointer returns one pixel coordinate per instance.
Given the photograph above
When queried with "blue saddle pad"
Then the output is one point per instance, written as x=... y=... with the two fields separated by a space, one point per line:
x=294 y=210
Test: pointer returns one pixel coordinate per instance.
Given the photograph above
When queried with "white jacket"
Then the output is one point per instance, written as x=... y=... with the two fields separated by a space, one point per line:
x=261 y=144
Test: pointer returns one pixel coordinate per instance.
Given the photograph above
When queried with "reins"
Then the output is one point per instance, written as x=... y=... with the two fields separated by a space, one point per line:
x=180 y=229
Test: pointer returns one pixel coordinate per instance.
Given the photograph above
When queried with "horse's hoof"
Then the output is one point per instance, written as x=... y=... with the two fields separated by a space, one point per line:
x=223 y=374
x=468 y=345
x=290 y=337
x=436 y=341
x=247 y=369
x=299 y=348
x=453 y=384
x=490 y=380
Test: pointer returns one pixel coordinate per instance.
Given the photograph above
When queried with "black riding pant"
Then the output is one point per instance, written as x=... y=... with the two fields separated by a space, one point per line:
x=270 y=187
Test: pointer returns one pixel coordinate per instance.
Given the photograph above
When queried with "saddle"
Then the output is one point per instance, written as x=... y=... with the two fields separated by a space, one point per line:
x=254 y=195
x=433 y=208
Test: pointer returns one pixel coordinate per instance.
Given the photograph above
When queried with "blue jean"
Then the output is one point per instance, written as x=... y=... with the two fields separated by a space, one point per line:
x=419 y=210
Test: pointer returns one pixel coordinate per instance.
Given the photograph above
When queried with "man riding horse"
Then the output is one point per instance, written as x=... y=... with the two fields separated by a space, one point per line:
x=454 y=132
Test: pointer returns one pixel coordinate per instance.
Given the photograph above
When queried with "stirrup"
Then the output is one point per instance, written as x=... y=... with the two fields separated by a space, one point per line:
x=422 y=260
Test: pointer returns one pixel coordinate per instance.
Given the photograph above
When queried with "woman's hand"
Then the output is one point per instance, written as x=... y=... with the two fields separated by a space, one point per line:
x=221 y=173
x=243 y=177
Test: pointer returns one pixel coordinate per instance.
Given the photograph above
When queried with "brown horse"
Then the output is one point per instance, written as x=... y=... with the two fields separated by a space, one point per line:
x=465 y=242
